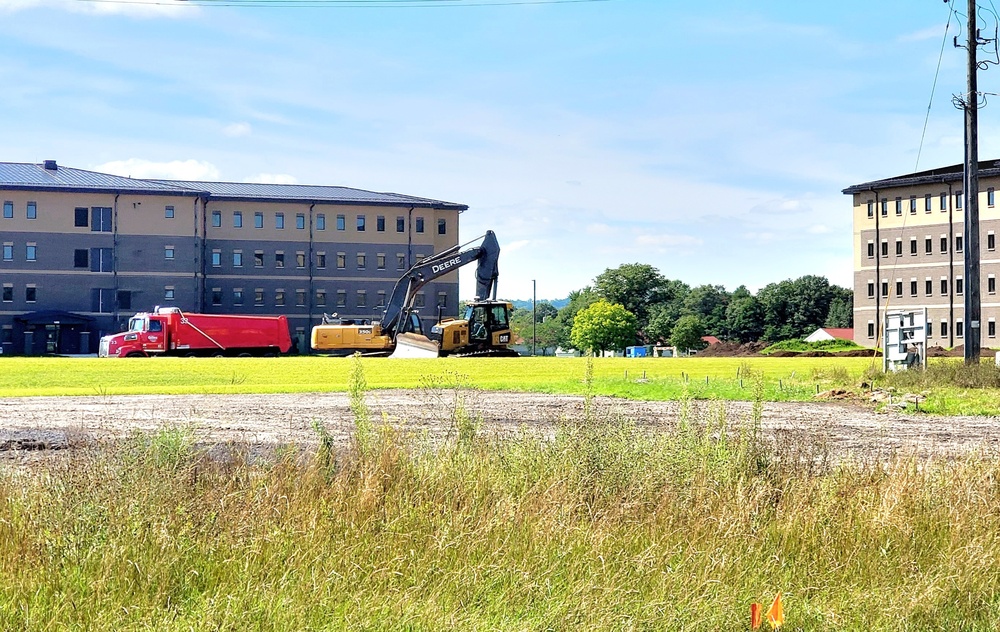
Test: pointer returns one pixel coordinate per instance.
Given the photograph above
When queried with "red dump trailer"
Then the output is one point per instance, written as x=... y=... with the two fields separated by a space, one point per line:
x=169 y=331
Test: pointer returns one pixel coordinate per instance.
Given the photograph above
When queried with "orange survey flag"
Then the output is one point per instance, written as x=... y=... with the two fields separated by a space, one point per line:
x=776 y=613
x=755 y=616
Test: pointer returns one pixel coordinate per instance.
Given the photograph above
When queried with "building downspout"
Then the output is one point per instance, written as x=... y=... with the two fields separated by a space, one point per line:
x=311 y=289
x=199 y=251
x=951 y=269
x=114 y=257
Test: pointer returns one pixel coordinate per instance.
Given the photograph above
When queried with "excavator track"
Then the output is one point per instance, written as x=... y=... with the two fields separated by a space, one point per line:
x=487 y=353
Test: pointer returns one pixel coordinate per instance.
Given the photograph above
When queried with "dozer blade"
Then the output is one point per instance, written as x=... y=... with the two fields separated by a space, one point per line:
x=412 y=345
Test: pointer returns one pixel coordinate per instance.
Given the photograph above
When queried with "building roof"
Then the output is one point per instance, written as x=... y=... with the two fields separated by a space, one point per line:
x=953 y=173
x=307 y=193
x=840 y=333
x=50 y=176
x=712 y=340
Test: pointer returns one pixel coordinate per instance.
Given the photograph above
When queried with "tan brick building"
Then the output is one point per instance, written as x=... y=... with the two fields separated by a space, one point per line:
x=82 y=251
x=909 y=252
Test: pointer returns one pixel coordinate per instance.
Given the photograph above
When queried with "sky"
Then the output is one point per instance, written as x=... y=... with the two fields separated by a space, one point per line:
x=710 y=140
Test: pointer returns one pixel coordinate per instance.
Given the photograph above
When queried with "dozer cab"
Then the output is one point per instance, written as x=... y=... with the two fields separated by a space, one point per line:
x=483 y=332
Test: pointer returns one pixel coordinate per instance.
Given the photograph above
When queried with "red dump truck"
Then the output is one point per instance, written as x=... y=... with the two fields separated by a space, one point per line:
x=169 y=331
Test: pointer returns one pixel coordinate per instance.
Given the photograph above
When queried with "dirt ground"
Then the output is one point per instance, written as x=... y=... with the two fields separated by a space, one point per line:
x=35 y=428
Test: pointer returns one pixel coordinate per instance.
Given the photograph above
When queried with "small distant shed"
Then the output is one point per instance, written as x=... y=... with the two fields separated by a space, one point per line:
x=831 y=333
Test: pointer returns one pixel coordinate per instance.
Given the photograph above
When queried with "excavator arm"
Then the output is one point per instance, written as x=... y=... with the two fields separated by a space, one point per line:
x=487 y=253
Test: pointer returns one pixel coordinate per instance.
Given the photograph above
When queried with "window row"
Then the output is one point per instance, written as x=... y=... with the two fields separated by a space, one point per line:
x=260 y=259
x=928 y=287
x=943 y=329
x=939 y=200
x=280 y=298
x=360 y=225
x=30 y=210
x=30 y=251
x=30 y=293
x=929 y=243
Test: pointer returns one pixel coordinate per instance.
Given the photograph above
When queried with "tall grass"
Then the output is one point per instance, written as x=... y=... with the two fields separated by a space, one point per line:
x=604 y=525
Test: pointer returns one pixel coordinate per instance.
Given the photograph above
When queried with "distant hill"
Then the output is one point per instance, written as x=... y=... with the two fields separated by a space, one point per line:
x=558 y=303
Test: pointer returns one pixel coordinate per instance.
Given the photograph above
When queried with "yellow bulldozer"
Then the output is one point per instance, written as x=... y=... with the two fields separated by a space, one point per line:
x=483 y=332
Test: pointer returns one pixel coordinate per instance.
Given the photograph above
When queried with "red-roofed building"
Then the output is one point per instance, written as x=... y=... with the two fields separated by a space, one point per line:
x=831 y=333
x=712 y=340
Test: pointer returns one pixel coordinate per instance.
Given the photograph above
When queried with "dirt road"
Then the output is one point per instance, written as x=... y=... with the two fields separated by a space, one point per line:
x=35 y=425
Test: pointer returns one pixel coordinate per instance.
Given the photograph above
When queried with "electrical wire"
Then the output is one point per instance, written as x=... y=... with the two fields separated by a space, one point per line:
x=339 y=4
x=937 y=73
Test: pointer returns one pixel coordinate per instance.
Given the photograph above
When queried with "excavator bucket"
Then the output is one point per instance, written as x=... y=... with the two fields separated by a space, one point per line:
x=411 y=345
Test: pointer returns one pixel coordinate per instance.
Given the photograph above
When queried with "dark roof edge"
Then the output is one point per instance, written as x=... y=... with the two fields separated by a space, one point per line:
x=92 y=189
x=953 y=173
x=443 y=206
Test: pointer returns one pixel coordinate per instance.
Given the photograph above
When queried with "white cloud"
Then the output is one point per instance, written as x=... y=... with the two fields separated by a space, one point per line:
x=818 y=229
x=173 y=170
x=236 y=130
x=929 y=33
x=134 y=8
x=664 y=240
x=273 y=178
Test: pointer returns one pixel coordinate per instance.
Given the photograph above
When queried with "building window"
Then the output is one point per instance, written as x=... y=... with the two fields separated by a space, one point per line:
x=958 y=243
x=420 y=225
x=899 y=247
x=81 y=257
x=899 y=288
x=958 y=199
x=400 y=262
x=991 y=241
x=871 y=329
x=380 y=299
x=279 y=221
x=362 y=298
x=279 y=298
x=380 y=223
x=30 y=294
x=216 y=258
x=8 y=252
x=380 y=261
x=320 y=259
x=31 y=252
x=928 y=245
x=237 y=219
x=300 y=298
x=216 y=219
x=944 y=287
x=168 y=212
x=258 y=220
x=341 y=260
x=885 y=248
x=959 y=329
x=442 y=227
x=8 y=211
x=300 y=221
x=913 y=205
x=361 y=223
x=32 y=210
x=300 y=259
x=871 y=209
x=362 y=259
x=885 y=207
x=279 y=259
x=944 y=244
x=321 y=222
x=991 y=284
x=8 y=293
x=100 y=219
x=258 y=258
x=899 y=206
x=913 y=246
x=320 y=298
x=168 y=293
x=442 y=299
x=258 y=296
x=418 y=300
x=237 y=296
x=168 y=252
x=341 y=222
x=990 y=197
x=237 y=258
x=871 y=289
x=216 y=296
x=944 y=328
x=80 y=216
x=943 y=202
x=928 y=286
x=913 y=287
x=871 y=249
x=400 y=224
x=991 y=328
x=959 y=286
x=927 y=203
x=885 y=289
x=341 y=298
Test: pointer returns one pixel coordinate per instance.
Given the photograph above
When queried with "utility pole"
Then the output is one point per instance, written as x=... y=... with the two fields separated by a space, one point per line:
x=971 y=106
x=534 y=323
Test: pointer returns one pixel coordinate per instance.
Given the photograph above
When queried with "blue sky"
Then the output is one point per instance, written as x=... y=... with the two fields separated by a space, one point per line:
x=710 y=140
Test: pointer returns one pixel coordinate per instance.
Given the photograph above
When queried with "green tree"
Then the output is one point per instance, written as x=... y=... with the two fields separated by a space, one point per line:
x=687 y=333
x=543 y=332
x=744 y=317
x=603 y=326
x=634 y=286
x=794 y=308
x=709 y=302
x=841 y=313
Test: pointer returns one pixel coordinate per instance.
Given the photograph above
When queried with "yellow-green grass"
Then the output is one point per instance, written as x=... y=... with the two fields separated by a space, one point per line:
x=639 y=378
x=603 y=527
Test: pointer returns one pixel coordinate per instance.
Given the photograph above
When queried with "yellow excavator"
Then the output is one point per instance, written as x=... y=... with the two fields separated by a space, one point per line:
x=483 y=332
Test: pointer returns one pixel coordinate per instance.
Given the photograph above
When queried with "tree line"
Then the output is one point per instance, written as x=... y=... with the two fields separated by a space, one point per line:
x=635 y=304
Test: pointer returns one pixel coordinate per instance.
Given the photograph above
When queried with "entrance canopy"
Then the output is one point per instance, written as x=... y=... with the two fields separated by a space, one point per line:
x=52 y=317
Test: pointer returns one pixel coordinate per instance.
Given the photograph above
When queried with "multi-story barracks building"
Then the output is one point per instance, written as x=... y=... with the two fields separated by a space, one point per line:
x=909 y=252
x=83 y=251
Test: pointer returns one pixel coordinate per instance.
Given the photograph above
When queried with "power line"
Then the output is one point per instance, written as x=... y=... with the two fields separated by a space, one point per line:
x=937 y=72
x=339 y=4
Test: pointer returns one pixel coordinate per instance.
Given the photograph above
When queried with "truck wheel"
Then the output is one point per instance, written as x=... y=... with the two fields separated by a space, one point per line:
x=135 y=354
x=244 y=355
